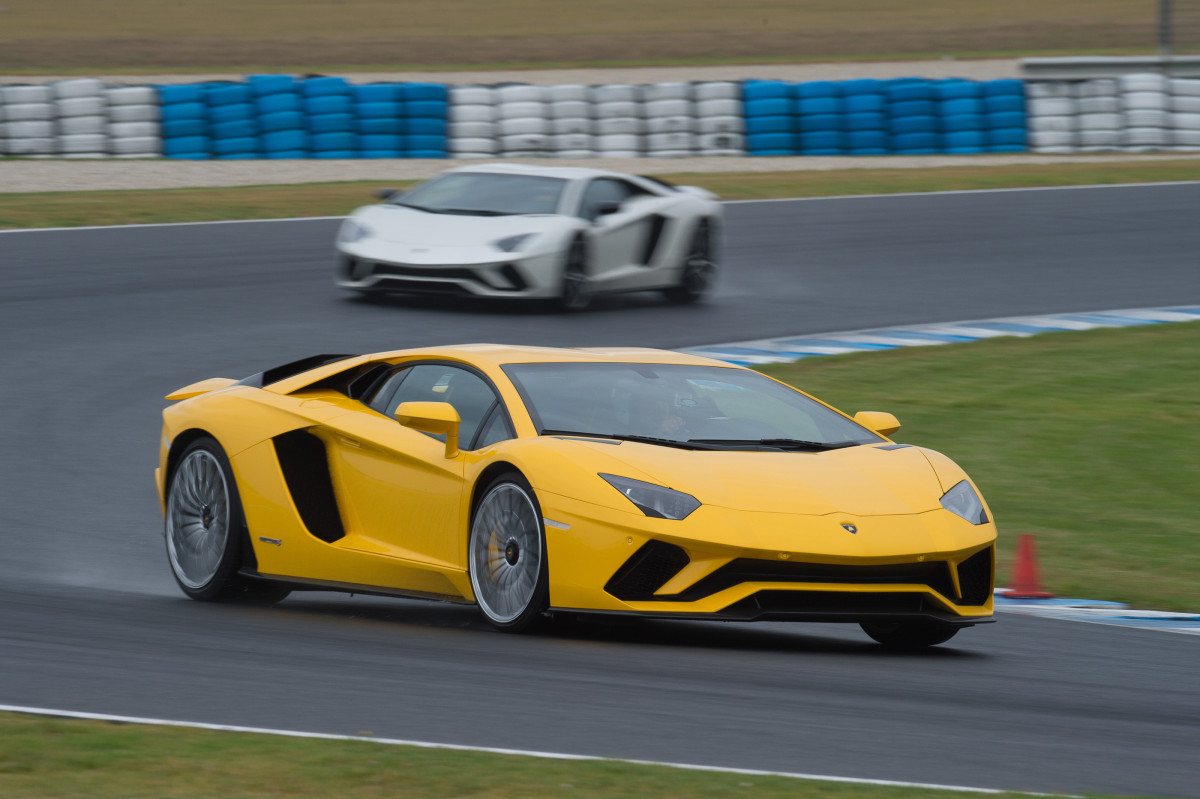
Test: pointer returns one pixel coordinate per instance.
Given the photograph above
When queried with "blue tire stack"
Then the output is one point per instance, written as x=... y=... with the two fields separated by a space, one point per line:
x=232 y=120
x=866 y=117
x=329 y=107
x=281 y=122
x=962 y=124
x=184 y=121
x=379 y=115
x=1005 y=115
x=769 y=111
x=426 y=107
x=913 y=116
x=820 y=106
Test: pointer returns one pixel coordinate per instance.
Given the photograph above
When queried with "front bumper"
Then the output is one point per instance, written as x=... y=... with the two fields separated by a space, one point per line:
x=514 y=278
x=738 y=566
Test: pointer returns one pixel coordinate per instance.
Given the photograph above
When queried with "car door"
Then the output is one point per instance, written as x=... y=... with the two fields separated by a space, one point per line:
x=399 y=493
x=626 y=242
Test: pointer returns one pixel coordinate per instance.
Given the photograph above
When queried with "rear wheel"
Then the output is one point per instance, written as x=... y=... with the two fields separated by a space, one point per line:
x=909 y=634
x=205 y=530
x=699 y=268
x=576 y=292
x=507 y=554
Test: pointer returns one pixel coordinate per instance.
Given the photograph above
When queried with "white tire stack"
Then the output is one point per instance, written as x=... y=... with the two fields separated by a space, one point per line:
x=1185 y=113
x=670 y=116
x=572 y=129
x=1145 y=112
x=522 y=122
x=1100 y=120
x=82 y=110
x=618 y=118
x=472 y=129
x=1053 y=116
x=28 y=121
x=133 y=127
x=720 y=129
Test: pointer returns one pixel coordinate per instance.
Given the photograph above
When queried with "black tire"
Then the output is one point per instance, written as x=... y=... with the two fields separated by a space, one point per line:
x=205 y=530
x=576 y=293
x=908 y=635
x=506 y=552
x=699 y=267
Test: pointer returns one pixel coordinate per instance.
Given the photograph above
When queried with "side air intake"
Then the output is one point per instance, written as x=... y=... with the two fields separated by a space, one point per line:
x=305 y=468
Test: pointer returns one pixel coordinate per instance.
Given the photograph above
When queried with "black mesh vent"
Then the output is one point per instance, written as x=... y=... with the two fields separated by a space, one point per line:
x=839 y=606
x=514 y=276
x=646 y=571
x=975 y=577
x=934 y=574
x=455 y=272
x=306 y=470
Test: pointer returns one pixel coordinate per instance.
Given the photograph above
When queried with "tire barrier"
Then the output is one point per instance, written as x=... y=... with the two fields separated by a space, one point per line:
x=281 y=116
x=906 y=116
x=1138 y=112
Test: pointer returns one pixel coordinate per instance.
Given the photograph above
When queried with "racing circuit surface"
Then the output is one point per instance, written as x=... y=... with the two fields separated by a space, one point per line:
x=99 y=324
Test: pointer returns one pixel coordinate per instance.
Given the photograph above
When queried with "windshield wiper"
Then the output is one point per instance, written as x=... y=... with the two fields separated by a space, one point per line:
x=796 y=444
x=664 y=442
x=472 y=212
x=415 y=207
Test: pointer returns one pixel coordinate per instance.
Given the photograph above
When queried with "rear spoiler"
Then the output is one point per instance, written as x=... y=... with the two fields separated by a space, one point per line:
x=259 y=380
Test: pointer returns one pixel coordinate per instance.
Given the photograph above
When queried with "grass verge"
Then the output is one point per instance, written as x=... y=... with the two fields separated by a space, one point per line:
x=1087 y=440
x=43 y=757
x=68 y=209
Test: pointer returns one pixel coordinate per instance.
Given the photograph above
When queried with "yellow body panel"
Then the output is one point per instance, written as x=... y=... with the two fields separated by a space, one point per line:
x=406 y=507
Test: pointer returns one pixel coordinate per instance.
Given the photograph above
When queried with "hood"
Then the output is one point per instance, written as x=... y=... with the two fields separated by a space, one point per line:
x=862 y=481
x=400 y=225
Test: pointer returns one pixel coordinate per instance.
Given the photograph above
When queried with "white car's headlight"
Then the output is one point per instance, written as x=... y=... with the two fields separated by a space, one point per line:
x=654 y=500
x=961 y=500
x=511 y=243
x=353 y=231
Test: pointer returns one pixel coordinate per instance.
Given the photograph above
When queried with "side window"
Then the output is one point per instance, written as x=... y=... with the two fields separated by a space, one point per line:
x=470 y=395
x=601 y=191
x=496 y=429
x=379 y=398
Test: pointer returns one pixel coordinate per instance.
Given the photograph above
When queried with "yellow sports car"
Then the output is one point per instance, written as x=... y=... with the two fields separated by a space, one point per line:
x=532 y=480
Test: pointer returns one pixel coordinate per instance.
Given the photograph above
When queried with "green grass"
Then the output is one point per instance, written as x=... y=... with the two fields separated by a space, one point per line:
x=66 y=209
x=42 y=758
x=1086 y=440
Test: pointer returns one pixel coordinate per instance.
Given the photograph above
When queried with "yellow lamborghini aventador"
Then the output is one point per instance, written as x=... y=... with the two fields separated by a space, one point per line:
x=532 y=480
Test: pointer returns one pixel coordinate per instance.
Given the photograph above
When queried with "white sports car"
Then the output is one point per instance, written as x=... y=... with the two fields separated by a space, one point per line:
x=510 y=230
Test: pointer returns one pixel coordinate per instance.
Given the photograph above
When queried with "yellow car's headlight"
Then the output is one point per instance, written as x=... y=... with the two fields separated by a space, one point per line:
x=654 y=500
x=961 y=500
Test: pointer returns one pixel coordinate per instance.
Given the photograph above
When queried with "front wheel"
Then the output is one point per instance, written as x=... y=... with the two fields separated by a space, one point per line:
x=699 y=267
x=507 y=554
x=205 y=530
x=909 y=634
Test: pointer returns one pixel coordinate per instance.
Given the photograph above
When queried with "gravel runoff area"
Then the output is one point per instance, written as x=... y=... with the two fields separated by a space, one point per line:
x=31 y=175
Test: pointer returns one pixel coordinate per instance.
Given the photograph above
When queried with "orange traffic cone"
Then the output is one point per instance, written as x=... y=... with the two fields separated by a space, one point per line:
x=1025 y=581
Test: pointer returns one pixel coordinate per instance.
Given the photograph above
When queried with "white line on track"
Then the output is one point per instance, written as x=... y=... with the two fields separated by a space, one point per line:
x=71 y=714
x=726 y=202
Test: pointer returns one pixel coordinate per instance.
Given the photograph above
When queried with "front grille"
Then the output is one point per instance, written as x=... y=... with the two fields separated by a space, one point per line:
x=646 y=571
x=934 y=574
x=976 y=577
x=453 y=273
x=833 y=606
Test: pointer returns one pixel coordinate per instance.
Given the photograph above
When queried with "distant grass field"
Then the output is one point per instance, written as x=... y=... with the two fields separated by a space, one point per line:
x=298 y=35
x=42 y=758
x=68 y=209
x=1086 y=440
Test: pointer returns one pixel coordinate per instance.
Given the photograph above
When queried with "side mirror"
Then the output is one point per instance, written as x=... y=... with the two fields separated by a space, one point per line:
x=881 y=422
x=437 y=418
x=387 y=194
x=608 y=208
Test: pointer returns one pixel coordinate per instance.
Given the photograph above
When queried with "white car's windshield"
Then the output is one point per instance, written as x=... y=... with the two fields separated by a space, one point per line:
x=701 y=407
x=486 y=194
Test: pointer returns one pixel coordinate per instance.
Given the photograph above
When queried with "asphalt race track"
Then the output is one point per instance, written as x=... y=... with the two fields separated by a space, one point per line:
x=98 y=324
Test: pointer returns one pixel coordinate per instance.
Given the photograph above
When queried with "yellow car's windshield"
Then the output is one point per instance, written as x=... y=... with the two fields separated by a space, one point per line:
x=705 y=406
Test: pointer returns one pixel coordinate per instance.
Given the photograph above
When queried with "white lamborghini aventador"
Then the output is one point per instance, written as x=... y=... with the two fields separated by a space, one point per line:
x=511 y=230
